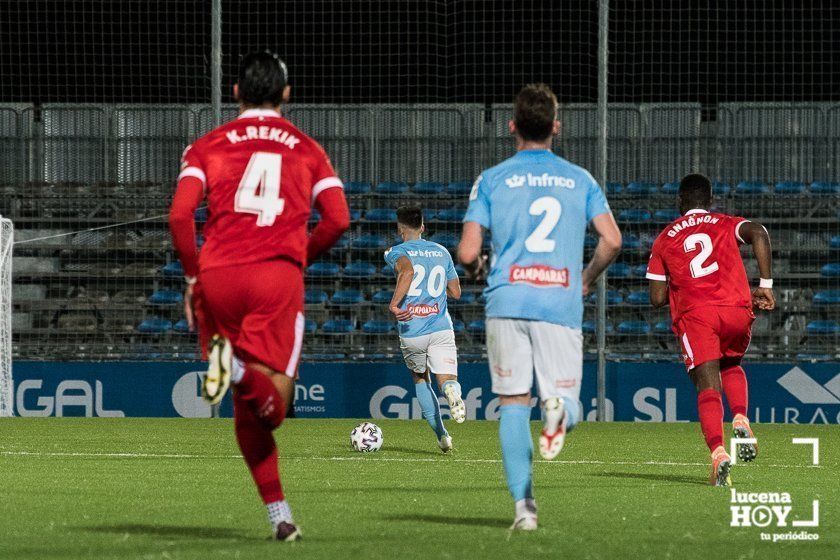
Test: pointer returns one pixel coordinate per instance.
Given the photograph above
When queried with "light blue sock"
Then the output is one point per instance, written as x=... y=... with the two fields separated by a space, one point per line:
x=430 y=407
x=572 y=412
x=517 y=449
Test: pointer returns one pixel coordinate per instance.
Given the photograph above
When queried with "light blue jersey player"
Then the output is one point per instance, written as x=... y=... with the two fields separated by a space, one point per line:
x=537 y=207
x=425 y=277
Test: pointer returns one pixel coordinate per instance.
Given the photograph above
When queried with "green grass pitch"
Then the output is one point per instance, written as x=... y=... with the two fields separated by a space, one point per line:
x=177 y=489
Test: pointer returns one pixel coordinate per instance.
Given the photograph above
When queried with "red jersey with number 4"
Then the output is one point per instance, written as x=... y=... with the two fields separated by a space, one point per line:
x=261 y=175
x=699 y=256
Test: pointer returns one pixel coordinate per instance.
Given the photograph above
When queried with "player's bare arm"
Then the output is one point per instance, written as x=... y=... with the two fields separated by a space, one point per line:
x=188 y=196
x=405 y=272
x=453 y=288
x=469 y=249
x=609 y=246
x=658 y=293
x=757 y=235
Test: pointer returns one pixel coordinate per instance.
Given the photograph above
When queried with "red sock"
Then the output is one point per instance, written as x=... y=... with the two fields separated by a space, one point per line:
x=258 y=393
x=734 y=382
x=258 y=448
x=710 y=408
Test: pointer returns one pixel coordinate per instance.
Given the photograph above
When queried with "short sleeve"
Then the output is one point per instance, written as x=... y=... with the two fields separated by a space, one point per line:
x=596 y=201
x=393 y=254
x=478 y=210
x=737 y=222
x=192 y=166
x=656 y=269
x=324 y=176
x=451 y=273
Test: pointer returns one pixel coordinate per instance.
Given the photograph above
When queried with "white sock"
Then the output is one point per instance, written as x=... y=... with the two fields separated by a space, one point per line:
x=278 y=512
x=237 y=370
x=552 y=414
x=526 y=507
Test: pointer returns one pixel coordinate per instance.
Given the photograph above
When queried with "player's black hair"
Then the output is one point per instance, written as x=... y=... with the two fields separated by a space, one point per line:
x=411 y=216
x=534 y=112
x=695 y=192
x=262 y=78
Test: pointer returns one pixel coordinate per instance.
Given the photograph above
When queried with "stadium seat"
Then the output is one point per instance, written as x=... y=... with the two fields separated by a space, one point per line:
x=591 y=327
x=720 y=189
x=356 y=187
x=315 y=297
x=200 y=214
x=429 y=215
x=428 y=187
x=639 y=270
x=459 y=188
x=391 y=188
x=638 y=297
x=173 y=269
x=455 y=215
x=323 y=356
x=666 y=216
x=166 y=297
x=369 y=242
x=448 y=240
x=789 y=187
x=809 y=357
x=154 y=325
x=382 y=297
x=672 y=187
x=751 y=188
x=347 y=297
x=355 y=215
x=630 y=241
x=381 y=215
x=835 y=242
x=633 y=327
x=342 y=243
x=387 y=271
x=831 y=270
x=827 y=297
x=821 y=187
x=199 y=241
x=338 y=326
x=822 y=327
x=310 y=326
x=641 y=188
x=458 y=326
x=467 y=298
x=378 y=327
x=613 y=297
x=634 y=215
x=181 y=327
x=323 y=269
x=360 y=270
x=476 y=327
x=618 y=270
x=614 y=188
x=662 y=327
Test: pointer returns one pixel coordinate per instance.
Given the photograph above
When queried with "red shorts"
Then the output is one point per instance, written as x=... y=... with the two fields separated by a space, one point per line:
x=258 y=307
x=713 y=333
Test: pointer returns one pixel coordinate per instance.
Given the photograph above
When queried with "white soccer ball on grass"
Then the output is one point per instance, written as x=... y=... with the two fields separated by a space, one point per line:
x=366 y=437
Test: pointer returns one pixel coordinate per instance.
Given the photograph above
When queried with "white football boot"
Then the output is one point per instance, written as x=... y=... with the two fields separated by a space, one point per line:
x=445 y=443
x=526 y=516
x=554 y=429
x=456 y=404
x=216 y=381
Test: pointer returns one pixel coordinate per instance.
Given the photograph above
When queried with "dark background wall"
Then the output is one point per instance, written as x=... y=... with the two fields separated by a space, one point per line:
x=424 y=51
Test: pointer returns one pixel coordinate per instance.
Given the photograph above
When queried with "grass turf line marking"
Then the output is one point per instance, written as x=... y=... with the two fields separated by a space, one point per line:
x=129 y=455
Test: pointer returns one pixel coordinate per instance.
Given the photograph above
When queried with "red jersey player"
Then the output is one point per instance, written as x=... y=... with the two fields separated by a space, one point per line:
x=696 y=263
x=261 y=176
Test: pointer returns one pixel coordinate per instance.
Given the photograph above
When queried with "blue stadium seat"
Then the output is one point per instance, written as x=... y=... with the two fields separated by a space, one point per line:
x=200 y=214
x=666 y=216
x=823 y=327
x=372 y=241
x=323 y=356
x=614 y=188
x=720 y=189
x=391 y=187
x=451 y=215
x=382 y=297
x=672 y=187
x=831 y=270
x=808 y=357
x=476 y=327
x=347 y=297
x=613 y=297
x=310 y=326
x=448 y=240
x=618 y=270
x=387 y=271
x=835 y=242
x=634 y=215
x=467 y=298
x=751 y=188
x=827 y=297
x=641 y=188
x=181 y=327
x=458 y=326
x=323 y=269
x=821 y=187
x=315 y=297
x=591 y=327
x=459 y=188
x=355 y=215
x=342 y=243
x=630 y=241
x=789 y=187
x=638 y=297
x=166 y=297
x=381 y=215
x=639 y=270
x=662 y=327
x=356 y=187
x=633 y=327
x=428 y=187
x=360 y=270
x=199 y=241
x=154 y=325
x=173 y=269
x=378 y=327
x=338 y=326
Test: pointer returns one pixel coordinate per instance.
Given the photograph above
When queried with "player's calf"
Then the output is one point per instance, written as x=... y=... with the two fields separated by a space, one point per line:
x=216 y=381
x=741 y=429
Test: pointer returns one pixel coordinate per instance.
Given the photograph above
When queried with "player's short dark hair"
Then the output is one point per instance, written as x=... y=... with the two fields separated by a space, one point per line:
x=411 y=216
x=262 y=78
x=534 y=112
x=695 y=191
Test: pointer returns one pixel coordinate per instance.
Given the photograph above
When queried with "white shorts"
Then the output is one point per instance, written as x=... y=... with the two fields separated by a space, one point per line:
x=435 y=352
x=519 y=348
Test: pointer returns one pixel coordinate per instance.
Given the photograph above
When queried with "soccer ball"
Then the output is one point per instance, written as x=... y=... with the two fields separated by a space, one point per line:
x=366 y=437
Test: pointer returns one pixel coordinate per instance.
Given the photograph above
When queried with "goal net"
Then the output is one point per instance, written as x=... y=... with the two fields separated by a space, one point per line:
x=6 y=241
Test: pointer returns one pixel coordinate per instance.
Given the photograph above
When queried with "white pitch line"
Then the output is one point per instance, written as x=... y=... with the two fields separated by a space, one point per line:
x=130 y=455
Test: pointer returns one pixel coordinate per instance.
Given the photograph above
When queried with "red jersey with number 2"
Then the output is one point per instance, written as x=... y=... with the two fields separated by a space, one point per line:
x=261 y=175
x=699 y=256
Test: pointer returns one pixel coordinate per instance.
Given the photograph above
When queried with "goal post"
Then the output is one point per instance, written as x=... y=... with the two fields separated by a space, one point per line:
x=6 y=241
